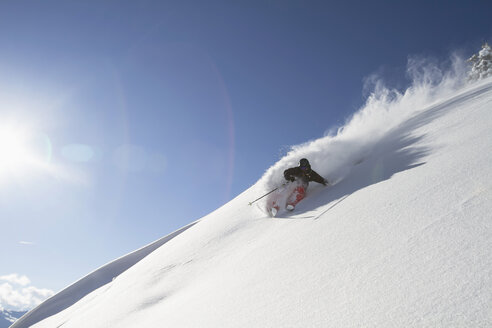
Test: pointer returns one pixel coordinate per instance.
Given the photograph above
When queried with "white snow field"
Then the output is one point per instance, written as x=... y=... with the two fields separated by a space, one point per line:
x=402 y=239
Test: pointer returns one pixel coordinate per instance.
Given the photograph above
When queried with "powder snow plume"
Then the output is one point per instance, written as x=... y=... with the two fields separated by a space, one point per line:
x=334 y=155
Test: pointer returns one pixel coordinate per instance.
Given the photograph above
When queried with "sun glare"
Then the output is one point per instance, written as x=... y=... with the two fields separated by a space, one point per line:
x=26 y=154
x=15 y=152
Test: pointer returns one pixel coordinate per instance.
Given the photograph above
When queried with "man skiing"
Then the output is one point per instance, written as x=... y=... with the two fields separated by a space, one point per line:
x=302 y=174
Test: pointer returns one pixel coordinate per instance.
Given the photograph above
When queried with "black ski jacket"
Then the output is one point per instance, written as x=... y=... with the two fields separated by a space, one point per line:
x=306 y=176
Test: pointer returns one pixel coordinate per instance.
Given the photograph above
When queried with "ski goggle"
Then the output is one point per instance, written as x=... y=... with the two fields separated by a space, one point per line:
x=304 y=168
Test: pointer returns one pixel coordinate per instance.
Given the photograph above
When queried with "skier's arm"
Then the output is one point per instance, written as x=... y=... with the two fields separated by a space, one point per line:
x=290 y=174
x=314 y=176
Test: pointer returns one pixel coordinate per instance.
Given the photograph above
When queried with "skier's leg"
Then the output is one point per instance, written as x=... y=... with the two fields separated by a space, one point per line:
x=274 y=208
x=298 y=195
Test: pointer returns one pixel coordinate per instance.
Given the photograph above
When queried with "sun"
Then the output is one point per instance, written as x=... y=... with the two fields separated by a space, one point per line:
x=26 y=155
x=15 y=152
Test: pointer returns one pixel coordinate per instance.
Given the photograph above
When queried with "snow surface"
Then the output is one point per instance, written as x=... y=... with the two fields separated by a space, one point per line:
x=402 y=239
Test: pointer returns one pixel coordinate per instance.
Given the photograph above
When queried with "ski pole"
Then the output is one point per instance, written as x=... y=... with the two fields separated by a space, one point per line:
x=268 y=193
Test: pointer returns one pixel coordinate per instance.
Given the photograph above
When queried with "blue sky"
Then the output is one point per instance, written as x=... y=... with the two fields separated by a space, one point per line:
x=146 y=115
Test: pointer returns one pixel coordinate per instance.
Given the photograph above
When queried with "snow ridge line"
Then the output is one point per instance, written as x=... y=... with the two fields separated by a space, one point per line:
x=98 y=278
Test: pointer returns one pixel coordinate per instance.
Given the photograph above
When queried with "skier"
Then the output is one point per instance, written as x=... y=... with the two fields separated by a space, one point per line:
x=302 y=174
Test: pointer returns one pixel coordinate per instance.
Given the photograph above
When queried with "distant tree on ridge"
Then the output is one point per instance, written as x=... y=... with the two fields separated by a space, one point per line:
x=481 y=64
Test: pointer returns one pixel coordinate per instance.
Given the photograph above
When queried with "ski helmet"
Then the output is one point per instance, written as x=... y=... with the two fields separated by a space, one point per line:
x=304 y=163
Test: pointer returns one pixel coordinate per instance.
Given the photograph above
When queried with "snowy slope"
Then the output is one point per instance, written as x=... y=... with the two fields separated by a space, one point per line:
x=403 y=239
